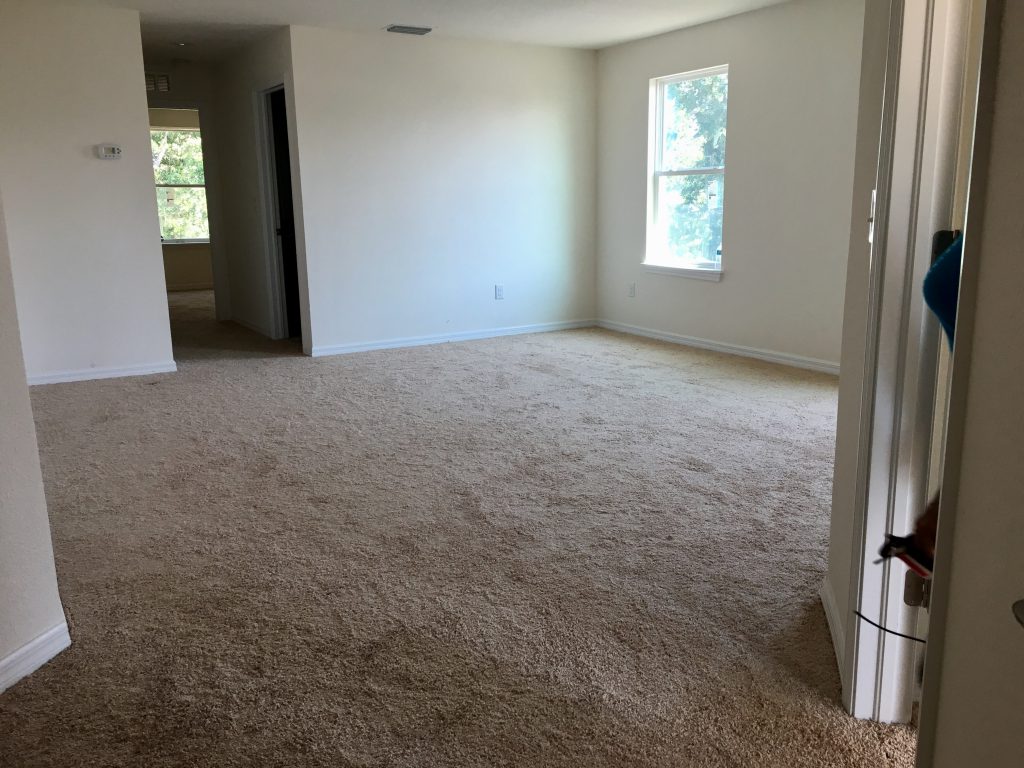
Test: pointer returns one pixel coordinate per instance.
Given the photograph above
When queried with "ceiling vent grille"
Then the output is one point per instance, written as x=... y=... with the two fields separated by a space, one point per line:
x=405 y=29
x=156 y=83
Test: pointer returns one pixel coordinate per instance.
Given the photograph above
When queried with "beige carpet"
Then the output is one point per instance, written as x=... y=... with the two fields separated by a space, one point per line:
x=567 y=549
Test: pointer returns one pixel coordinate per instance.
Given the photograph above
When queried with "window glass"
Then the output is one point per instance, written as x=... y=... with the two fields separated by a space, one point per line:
x=689 y=220
x=694 y=123
x=183 y=213
x=180 y=184
x=687 y=195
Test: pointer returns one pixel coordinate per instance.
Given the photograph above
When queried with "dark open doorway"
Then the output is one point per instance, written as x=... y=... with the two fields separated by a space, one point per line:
x=285 y=225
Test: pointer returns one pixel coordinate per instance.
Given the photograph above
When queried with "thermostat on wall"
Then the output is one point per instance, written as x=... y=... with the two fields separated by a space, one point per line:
x=108 y=151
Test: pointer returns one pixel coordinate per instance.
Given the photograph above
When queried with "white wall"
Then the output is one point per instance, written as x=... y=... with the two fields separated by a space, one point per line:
x=237 y=85
x=29 y=603
x=793 y=84
x=977 y=645
x=188 y=266
x=433 y=169
x=84 y=233
x=836 y=589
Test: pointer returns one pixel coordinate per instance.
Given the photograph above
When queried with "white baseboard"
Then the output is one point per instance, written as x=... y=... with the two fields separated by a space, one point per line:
x=87 y=374
x=31 y=656
x=835 y=626
x=419 y=341
x=783 y=358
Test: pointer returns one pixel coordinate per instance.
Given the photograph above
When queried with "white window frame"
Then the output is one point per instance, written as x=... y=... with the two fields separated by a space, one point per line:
x=656 y=171
x=185 y=241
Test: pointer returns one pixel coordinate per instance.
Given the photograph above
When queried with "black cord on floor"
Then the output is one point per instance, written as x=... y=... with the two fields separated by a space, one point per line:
x=890 y=631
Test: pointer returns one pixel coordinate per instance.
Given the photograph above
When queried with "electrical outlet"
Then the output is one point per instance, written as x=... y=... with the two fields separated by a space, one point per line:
x=632 y=290
x=499 y=292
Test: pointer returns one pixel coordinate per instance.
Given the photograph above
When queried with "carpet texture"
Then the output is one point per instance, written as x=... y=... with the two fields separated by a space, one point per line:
x=565 y=549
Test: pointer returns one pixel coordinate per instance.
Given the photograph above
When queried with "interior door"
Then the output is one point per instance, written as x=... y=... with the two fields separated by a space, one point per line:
x=913 y=198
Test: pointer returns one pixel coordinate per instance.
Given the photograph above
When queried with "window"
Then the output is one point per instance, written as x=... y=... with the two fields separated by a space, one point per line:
x=180 y=185
x=687 y=184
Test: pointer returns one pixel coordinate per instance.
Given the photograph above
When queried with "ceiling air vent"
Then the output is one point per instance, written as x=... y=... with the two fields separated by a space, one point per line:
x=404 y=29
x=157 y=83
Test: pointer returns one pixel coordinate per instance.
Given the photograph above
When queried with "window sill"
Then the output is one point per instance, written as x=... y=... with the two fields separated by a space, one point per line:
x=713 y=275
x=185 y=242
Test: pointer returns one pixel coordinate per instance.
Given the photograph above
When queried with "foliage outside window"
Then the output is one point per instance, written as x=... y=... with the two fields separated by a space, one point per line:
x=180 y=185
x=686 y=198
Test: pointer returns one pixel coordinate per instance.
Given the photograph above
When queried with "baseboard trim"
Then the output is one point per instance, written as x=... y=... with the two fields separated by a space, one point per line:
x=31 y=656
x=835 y=627
x=419 y=341
x=782 y=358
x=87 y=374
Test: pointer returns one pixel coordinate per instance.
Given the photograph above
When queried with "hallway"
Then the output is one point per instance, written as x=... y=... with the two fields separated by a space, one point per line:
x=197 y=335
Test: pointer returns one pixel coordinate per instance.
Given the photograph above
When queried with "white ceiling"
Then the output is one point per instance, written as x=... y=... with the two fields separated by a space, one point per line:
x=212 y=27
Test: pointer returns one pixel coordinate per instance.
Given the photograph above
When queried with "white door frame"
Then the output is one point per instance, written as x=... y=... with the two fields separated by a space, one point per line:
x=914 y=187
x=268 y=188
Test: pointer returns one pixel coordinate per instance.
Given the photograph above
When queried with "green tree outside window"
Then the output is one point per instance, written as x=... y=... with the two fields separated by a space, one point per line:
x=689 y=175
x=180 y=184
